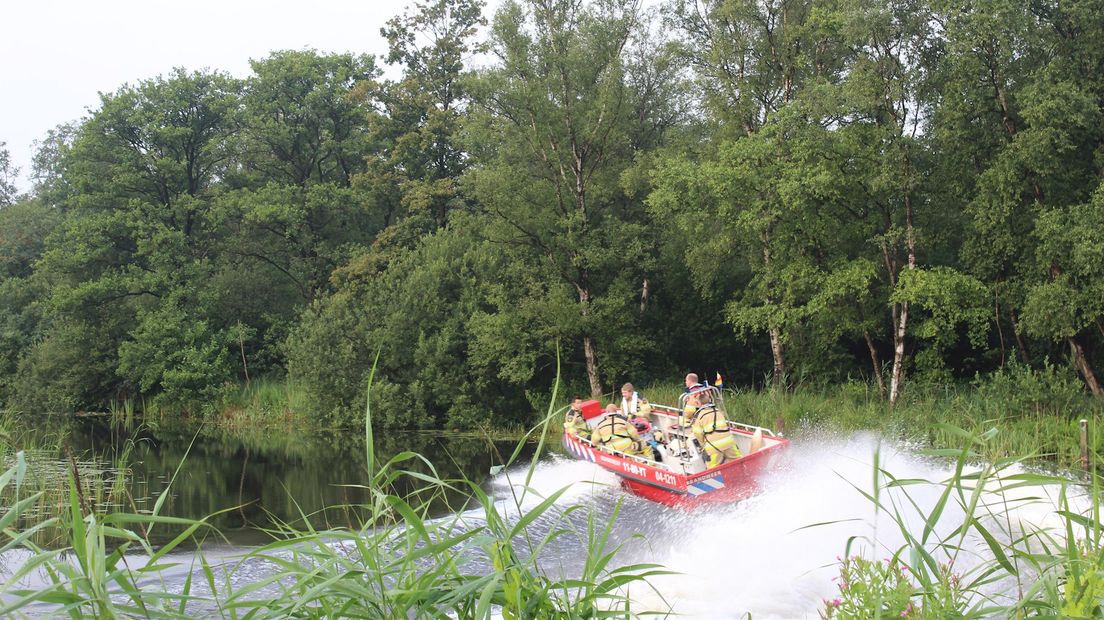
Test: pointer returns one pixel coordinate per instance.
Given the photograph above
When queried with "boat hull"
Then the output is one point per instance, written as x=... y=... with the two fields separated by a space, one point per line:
x=726 y=483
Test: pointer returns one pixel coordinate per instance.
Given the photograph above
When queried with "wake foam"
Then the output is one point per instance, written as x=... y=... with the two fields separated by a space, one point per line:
x=774 y=556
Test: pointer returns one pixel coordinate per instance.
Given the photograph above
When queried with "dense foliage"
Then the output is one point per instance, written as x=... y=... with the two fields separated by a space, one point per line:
x=783 y=191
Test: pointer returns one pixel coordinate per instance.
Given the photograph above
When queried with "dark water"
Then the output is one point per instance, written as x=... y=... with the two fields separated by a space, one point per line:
x=265 y=477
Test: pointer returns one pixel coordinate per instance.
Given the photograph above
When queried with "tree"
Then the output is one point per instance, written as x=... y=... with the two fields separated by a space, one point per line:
x=306 y=118
x=24 y=227
x=551 y=146
x=989 y=52
x=417 y=170
x=753 y=60
x=425 y=313
x=49 y=164
x=886 y=104
x=1039 y=66
x=1070 y=301
x=8 y=175
x=135 y=243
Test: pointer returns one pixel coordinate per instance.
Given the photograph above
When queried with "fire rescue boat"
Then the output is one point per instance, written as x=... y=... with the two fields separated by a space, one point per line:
x=680 y=476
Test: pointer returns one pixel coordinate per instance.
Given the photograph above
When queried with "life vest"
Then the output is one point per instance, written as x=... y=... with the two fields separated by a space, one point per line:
x=631 y=407
x=709 y=420
x=717 y=439
x=615 y=433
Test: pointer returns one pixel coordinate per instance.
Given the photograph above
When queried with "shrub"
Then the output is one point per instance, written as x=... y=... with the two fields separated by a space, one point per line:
x=872 y=589
x=1017 y=390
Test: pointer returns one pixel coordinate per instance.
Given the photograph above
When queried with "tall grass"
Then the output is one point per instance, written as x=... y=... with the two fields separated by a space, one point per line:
x=1044 y=567
x=481 y=560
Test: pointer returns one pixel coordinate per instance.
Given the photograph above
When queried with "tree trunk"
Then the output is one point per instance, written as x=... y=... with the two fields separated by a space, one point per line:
x=1082 y=364
x=876 y=363
x=902 y=319
x=898 y=354
x=1016 y=333
x=592 y=366
x=779 y=362
x=589 y=354
x=1000 y=330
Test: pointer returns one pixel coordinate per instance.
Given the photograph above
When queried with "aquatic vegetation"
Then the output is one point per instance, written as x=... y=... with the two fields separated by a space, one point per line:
x=871 y=589
x=481 y=560
x=1001 y=540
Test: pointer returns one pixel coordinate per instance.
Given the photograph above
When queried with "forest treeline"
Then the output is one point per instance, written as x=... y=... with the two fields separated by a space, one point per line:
x=780 y=190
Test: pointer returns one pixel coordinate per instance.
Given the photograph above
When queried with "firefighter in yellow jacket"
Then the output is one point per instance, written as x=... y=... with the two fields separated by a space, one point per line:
x=574 y=422
x=616 y=432
x=710 y=427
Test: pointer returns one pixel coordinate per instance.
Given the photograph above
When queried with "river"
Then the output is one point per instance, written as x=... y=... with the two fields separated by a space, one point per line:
x=773 y=556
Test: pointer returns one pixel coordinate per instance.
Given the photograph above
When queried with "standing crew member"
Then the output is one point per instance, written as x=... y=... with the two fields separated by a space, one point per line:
x=692 y=382
x=710 y=427
x=633 y=403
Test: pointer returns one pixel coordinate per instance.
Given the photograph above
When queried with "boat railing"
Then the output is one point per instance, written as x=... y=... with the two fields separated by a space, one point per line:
x=751 y=428
x=664 y=409
x=625 y=455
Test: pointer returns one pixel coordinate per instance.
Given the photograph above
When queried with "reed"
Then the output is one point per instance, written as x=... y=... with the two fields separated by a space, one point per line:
x=261 y=402
x=1047 y=569
x=480 y=561
x=122 y=412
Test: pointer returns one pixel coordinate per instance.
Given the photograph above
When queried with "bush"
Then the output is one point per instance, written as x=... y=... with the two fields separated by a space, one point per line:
x=1019 y=390
x=870 y=589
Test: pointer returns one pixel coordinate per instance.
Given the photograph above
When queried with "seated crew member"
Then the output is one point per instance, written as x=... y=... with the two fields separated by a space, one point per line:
x=574 y=422
x=649 y=435
x=633 y=402
x=617 y=433
x=710 y=427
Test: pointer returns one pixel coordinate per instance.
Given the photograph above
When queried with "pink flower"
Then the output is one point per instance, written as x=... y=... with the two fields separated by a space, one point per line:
x=836 y=602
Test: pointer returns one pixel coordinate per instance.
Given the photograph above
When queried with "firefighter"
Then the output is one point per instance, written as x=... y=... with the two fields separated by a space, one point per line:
x=574 y=422
x=615 y=432
x=710 y=427
x=633 y=403
x=691 y=382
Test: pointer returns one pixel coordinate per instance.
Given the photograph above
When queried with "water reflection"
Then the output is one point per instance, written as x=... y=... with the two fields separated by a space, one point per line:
x=269 y=476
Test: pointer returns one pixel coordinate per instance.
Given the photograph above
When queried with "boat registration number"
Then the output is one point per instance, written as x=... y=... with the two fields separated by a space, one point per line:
x=661 y=477
x=640 y=471
x=665 y=478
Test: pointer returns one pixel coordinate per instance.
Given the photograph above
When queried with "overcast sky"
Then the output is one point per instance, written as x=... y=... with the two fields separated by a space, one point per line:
x=57 y=55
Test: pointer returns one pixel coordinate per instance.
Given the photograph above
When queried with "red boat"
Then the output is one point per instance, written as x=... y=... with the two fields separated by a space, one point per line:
x=679 y=476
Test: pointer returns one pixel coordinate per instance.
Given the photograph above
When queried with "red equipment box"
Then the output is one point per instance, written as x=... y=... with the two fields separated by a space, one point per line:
x=591 y=409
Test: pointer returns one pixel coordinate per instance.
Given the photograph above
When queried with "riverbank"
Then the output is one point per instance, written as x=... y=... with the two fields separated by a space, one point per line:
x=1032 y=412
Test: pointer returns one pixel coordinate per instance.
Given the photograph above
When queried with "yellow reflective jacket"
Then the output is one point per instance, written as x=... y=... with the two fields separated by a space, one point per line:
x=575 y=424
x=615 y=433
